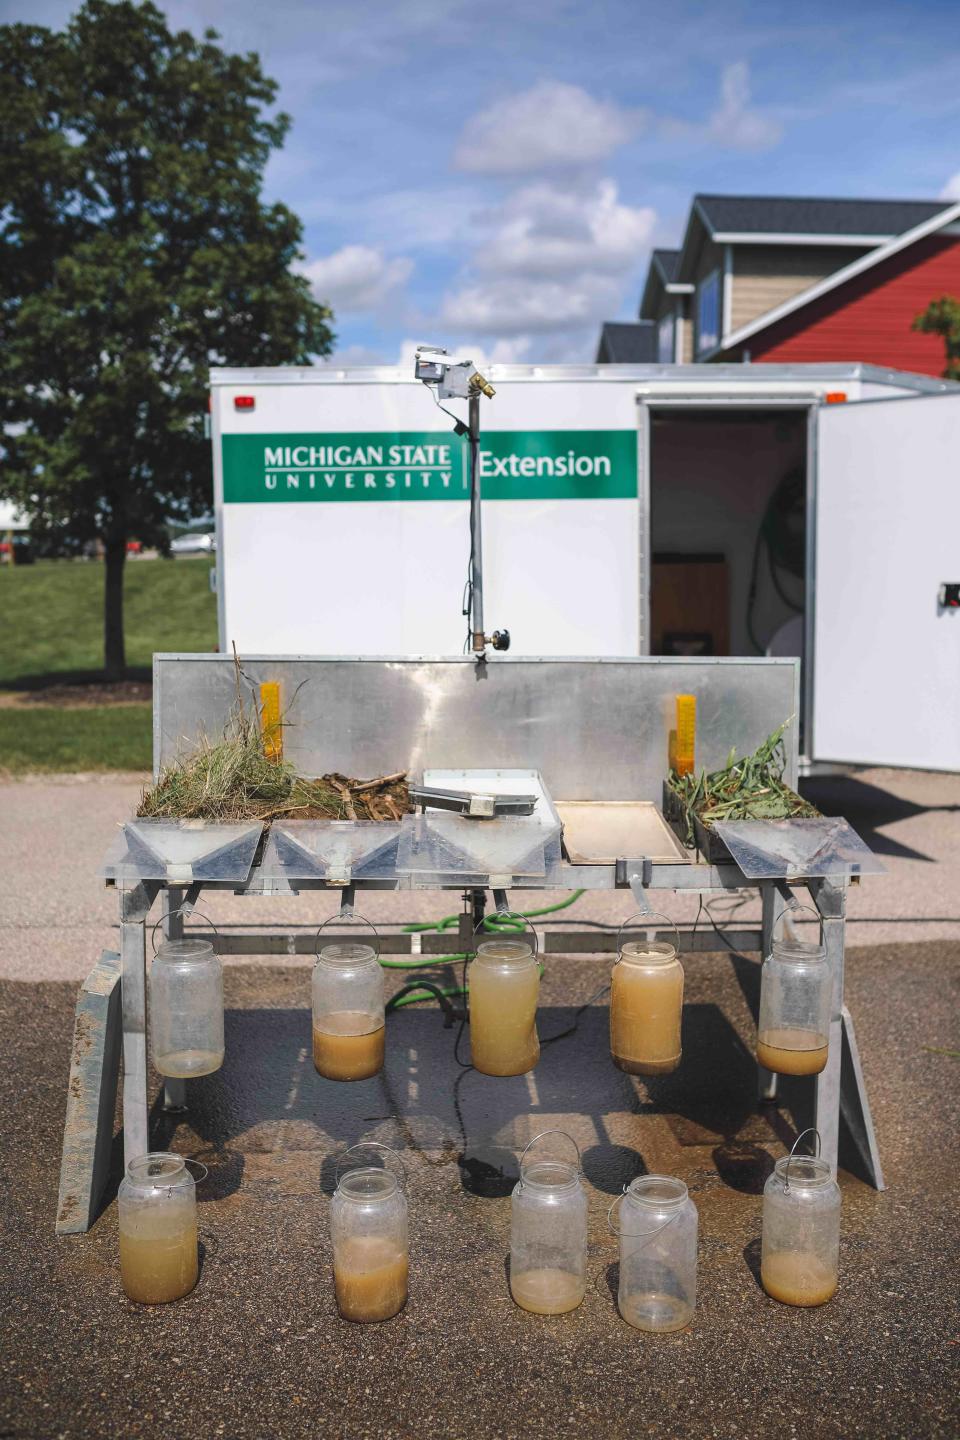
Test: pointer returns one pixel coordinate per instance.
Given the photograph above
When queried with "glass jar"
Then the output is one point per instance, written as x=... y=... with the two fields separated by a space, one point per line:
x=646 y=1005
x=548 y=1234
x=186 y=1008
x=800 y=1245
x=658 y=1254
x=368 y=1228
x=504 y=986
x=157 y=1205
x=796 y=993
x=348 y=1011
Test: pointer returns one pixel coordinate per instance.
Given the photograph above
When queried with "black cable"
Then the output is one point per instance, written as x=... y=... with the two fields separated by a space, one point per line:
x=474 y=449
x=562 y=1035
x=721 y=934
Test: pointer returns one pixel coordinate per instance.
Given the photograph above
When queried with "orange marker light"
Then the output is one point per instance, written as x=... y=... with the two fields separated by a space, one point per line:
x=835 y=397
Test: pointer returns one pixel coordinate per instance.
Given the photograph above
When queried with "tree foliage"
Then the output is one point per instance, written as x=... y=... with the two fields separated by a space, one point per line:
x=135 y=251
x=942 y=317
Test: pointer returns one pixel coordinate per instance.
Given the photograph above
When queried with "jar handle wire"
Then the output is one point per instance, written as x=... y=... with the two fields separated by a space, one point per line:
x=792 y=911
x=810 y=1130
x=191 y=910
x=510 y=915
x=387 y=1151
x=188 y=1161
x=636 y=1234
x=543 y=1134
x=650 y=929
x=353 y=915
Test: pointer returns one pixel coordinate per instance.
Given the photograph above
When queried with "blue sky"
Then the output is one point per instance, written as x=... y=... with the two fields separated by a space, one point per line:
x=494 y=176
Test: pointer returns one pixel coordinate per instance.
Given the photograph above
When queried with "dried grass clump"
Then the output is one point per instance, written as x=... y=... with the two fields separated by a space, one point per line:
x=232 y=779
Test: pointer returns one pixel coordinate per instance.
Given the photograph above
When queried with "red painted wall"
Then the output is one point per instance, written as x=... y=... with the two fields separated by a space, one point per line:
x=868 y=319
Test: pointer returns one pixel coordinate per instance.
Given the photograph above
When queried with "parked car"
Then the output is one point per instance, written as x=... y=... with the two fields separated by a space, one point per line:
x=201 y=544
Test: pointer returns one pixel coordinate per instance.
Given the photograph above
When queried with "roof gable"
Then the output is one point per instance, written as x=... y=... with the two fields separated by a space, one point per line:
x=666 y=262
x=627 y=343
x=784 y=215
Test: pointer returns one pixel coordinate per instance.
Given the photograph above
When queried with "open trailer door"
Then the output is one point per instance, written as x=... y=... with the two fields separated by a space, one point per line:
x=886 y=675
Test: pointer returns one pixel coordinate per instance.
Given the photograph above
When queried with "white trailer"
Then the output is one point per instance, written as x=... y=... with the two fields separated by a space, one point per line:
x=627 y=510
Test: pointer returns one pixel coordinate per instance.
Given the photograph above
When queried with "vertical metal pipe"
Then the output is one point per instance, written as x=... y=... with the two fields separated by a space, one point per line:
x=477 y=639
x=773 y=907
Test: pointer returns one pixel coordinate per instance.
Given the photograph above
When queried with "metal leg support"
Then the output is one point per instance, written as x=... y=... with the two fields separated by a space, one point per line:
x=840 y=1086
x=134 y=908
x=854 y=1105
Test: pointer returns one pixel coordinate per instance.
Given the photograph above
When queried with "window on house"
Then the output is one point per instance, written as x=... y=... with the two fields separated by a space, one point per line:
x=708 y=312
x=665 y=340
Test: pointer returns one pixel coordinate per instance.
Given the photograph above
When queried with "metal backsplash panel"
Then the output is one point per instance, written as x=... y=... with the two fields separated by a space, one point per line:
x=595 y=729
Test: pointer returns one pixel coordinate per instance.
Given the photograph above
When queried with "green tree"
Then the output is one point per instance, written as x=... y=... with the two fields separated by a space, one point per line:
x=942 y=317
x=135 y=251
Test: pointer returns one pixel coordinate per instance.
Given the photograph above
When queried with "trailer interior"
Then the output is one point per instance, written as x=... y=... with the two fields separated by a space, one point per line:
x=728 y=497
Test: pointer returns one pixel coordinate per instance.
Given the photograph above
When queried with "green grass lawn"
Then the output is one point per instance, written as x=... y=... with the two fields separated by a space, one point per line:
x=52 y=632
x=53 y=616
x=92 y=737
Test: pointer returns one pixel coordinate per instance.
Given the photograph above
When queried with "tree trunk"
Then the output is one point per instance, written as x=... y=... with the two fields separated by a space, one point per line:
x=114 y=655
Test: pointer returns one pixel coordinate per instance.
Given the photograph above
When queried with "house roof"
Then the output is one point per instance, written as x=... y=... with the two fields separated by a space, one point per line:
x=661 y=277
x=948 y=214
x=810 y=215
x=666 y=262
x=632 y=343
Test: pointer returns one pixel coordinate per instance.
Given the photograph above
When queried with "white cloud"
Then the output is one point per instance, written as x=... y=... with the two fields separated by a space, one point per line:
x=734 y=123
x=552 y=126
x=508 y=307
x=552 y=260
x=951 y=191
x=544 y=231
x=356 y=277
x=481 y=352
x=349 y=355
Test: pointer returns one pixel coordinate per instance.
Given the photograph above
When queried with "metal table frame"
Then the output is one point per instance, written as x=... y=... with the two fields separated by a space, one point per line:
x=839 y=1088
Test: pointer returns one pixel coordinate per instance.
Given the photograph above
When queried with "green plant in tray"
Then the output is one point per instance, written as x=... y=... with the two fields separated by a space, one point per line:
x=752 y=788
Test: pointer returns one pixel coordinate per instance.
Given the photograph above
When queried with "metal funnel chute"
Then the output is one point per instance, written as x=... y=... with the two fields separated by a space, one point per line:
x=182 y=851
x=338 y=851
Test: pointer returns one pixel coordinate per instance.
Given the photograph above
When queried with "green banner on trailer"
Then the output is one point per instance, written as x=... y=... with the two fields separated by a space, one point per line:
x=429 y=465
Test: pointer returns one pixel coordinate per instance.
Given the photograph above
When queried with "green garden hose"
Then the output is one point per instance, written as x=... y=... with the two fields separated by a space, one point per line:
x=495 y=923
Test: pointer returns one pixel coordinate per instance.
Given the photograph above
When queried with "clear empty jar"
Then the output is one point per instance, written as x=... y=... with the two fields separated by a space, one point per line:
x=548 y=1233
x=368 y=1228
x=504 y=987
x=646 y=1004
x=186 y=1008
x=157 y=1206
x=800 y=1246
x=796 y=993
x=657 y=1229
x=348 y=1011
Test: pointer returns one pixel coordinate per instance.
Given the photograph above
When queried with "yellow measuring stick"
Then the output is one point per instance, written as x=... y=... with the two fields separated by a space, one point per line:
x=270 y=720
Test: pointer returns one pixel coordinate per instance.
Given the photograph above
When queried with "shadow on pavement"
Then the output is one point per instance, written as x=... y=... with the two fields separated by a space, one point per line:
x=268 y=1097
x=869 y=808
